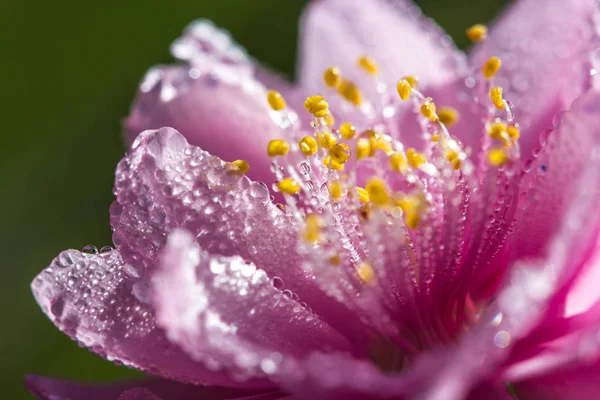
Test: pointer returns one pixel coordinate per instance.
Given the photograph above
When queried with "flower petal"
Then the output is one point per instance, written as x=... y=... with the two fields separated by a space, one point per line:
x=338 y=32
x=204 y=43
x=164 y=184
x=537 y=291
x=214 y=99
x=548 y=187
x=94 y=298
x=149 y=389
x=226 y=313
x=574 y=383
x=545 y=48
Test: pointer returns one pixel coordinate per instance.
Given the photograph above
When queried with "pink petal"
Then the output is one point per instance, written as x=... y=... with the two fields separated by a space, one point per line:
x=549 y=186
x=338 y=32
x=214 y=99
x=575 y=383
x=204 y=43
x=226 y=313
x=164 y=184
x=536 y=293
x=545 y=47
x=150 y=389
x=94 y=298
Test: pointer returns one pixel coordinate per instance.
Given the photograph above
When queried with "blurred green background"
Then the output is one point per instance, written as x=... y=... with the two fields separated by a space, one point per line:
x=69 y=71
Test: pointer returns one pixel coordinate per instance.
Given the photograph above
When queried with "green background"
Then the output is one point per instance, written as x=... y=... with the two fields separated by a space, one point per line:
x=69 y=70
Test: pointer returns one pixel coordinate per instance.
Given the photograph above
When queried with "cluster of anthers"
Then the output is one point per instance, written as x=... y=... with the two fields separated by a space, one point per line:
x=320 y=174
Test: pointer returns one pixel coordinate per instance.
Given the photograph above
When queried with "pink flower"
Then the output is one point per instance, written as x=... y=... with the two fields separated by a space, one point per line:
x=423 y=252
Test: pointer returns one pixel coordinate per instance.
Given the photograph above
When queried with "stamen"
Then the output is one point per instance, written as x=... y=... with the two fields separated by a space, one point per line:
x=490 y=67
x=363 y=195
x=428 y=110
x=277 y=147
x=414 y=158
x=332 y=77
x=332 y=164
x=413 y=80
x=289 y=186
x=317 y=106
x=365 y=148
x=496 y=130
x=348 y=90
x=448 y=116
x=326 y=140
x=276 y=100
x=477 y=33
x=496 y=96
x=340 y=153
x=365 y=272
x=335 y=190
x=497 y=157
x=308 y=145
x=242 y=165
x=453 y=158
x=377 y=192
x=513 y=132
x=347 y=131
x=368 y=65
x=329 y=120
x=312 y=229
x=404 y=88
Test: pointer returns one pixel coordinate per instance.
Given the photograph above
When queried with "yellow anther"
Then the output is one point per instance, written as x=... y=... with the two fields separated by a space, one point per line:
x=383 y=145
x=329 y=120
x=335 y=260
x=276 y=100
x=428 y=110
x=365 y=148
x=312 y=229
x=477 y=33
x=448 y=116
x=365 y=272
x=332 y=77
x=490 y=67
x=406 y=203
x=277 y=147
x=435 y=138
x=398 y=162
x=497 y=130
x=340 y=153
x=317 y=106
x=336 y=189
x=513 y=132
x=332 y=164
x=288 y=185
x=414 y=158
x=377 y=191
x=326 y=140
x=413 y=80
x=349 y=91
x=308 y=145
x=404 y=87
x=369 y=65
x=412 y=219
x=347 y=131
x=242 y=165
x=363 y=195
x=497 y=157
x=496 y=96
x=453 y=158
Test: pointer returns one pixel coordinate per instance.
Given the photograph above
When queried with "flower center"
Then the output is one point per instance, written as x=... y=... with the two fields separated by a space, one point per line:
x=384 y=225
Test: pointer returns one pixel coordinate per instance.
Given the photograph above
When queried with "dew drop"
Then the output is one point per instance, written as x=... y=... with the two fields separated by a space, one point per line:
x=277 y=283
x=89 y=249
